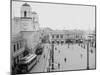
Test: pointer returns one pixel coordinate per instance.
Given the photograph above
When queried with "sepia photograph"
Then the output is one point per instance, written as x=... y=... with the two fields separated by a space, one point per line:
x=52 y=37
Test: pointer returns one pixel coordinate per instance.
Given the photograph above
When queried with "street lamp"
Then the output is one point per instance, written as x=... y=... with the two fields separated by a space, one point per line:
x=87 y=54
x=52 y=56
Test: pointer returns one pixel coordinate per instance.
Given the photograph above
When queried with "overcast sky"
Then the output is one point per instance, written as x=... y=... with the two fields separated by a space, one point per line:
x=58 y=16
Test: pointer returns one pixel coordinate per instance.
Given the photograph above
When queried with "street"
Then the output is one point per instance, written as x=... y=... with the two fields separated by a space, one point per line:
x=43 y=62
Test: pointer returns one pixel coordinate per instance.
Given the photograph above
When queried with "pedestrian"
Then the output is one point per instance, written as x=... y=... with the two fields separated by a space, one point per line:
x=65 y=59
x=44 y=56
x=48 y=69
x=58 y=65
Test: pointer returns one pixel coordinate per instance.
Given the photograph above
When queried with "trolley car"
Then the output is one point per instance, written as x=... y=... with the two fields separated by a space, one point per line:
x=27 y=63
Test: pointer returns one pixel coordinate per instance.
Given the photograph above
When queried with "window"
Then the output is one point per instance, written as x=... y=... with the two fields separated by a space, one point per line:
x=53 y=42
x=24 y=13
x=77 y=36
x=62 y=42
x=57 y=36
x=14 y=48
x=58 y=42
x=17 y=46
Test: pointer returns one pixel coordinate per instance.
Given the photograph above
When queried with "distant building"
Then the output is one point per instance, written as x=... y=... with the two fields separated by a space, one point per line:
x=91 y=37
x=63 y=36
x=45 y=35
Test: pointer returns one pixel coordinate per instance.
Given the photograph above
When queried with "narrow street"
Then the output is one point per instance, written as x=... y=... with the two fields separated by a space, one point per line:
x=43 y=62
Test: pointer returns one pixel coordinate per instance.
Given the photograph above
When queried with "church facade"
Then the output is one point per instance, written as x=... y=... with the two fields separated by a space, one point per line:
x=25 y=34
x=27 y=25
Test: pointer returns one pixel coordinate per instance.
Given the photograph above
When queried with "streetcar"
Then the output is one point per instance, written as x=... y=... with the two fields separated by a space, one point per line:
x=27 y=63
x=69 y=41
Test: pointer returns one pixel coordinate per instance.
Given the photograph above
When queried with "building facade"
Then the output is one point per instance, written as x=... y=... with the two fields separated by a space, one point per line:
x=63 y=37
x=17 y=50
x=25 y=35
x=27 y=25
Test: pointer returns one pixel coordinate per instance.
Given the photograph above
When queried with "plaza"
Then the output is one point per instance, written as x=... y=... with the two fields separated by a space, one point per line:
x=75 y=55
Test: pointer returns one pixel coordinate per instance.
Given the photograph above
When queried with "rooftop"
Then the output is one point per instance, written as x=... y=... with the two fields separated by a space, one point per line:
x=25 y=4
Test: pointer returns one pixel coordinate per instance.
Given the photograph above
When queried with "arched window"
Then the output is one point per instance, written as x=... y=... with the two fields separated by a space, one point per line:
x=25 y=13
x=14 y=47
x=57 y=36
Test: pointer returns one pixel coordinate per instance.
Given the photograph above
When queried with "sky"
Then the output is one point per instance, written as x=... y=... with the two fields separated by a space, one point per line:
x=59 y=16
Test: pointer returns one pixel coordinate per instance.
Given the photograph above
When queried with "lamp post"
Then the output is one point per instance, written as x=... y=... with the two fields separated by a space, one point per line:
x=52 y=51
x=87 y=54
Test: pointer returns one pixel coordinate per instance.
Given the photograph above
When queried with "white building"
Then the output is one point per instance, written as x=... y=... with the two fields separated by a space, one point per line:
x=29 y=19
x=17 y=50
x=27 y=25
x=63 y=36
x=24 y=33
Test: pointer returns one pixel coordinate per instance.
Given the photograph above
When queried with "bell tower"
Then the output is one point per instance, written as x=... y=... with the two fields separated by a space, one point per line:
x=25 y=10
x=29 y=19
x=26 y=18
